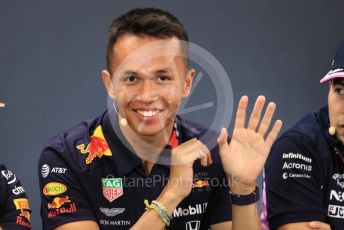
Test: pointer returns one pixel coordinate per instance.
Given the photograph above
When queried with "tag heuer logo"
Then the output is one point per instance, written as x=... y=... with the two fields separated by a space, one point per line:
x=112 y=188
x=111 y=212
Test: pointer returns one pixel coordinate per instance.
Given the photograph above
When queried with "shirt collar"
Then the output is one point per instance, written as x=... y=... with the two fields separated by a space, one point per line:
x=124 y=158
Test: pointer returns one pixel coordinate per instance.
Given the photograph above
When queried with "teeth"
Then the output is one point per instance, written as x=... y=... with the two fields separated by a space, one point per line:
x=147 y=113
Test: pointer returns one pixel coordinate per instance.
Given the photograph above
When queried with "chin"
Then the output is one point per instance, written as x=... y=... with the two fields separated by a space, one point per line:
x=149 y=129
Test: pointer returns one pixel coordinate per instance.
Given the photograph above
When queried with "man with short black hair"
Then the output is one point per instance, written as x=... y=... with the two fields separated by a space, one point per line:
x=140 y=166
x=304 y=174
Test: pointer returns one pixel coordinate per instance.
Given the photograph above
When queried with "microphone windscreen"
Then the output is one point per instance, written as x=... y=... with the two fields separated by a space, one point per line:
x=332 y=131
x=123 y=122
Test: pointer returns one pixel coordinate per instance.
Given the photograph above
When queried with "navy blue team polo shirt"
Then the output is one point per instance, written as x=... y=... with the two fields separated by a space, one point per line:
x=90 y=173
x=304 y=175
x=15 y=210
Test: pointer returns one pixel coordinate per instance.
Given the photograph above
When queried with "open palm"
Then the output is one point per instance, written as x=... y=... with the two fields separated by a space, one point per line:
x=244 y=157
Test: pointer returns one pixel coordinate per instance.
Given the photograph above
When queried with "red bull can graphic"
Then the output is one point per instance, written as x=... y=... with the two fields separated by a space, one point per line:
x=97 y=146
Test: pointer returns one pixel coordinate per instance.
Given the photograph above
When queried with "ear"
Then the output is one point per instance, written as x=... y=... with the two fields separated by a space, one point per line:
x=108 y=84
x=187 y=86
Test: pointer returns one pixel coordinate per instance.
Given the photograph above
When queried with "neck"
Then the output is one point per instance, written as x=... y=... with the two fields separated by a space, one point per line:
x=148 y=148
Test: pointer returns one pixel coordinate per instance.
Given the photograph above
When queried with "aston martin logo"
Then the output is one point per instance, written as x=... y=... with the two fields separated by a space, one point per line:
x=111 y=212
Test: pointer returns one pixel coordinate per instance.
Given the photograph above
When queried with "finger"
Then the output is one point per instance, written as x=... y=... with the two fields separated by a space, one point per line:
x=256 y=113
x=205 y=149
x=265 y=123
x=197 y=146
x=192 y=156
x=204 y=160
x=319 y=225
x=186 y=146
x=222 y=140
x=241 y=113
x=223 y=137
x=274 y=133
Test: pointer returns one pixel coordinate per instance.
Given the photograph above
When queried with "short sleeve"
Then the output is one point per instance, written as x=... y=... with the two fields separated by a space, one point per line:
x=293 y=183
x=62 y=195
x=15 y=212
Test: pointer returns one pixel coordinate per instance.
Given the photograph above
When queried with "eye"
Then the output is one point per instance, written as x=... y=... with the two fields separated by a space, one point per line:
x=163 y=78
x=130 y=79
x=339 y=91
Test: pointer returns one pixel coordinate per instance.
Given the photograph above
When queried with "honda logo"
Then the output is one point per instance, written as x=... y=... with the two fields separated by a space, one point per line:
x=193 y=225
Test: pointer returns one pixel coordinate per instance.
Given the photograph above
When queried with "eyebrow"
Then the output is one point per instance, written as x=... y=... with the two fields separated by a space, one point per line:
x=164 y=70
x=159 y=71
x=341 y=83
x=128 y=72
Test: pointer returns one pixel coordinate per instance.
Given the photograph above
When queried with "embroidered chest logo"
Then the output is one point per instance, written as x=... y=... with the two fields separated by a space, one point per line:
x=97 y=146
x=112 y=188
x=60 y=206
x=201 y=182
x=111 y=212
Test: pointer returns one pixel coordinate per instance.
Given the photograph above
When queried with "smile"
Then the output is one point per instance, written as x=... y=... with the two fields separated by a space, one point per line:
x=148 y=113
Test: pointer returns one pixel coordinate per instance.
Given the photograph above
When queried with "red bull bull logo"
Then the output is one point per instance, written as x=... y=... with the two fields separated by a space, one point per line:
x=200 y=184
x=58 y=202
x=97 y=146
x=61 y=205
x=26 y=214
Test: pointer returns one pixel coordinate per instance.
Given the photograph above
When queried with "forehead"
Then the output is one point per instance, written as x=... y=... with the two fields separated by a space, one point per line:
x=144 y=52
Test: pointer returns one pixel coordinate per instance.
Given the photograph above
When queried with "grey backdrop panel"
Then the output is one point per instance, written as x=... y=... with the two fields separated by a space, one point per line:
x=52 y=53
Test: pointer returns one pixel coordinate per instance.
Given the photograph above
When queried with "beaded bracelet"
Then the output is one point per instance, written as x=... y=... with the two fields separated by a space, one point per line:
x=160 y=209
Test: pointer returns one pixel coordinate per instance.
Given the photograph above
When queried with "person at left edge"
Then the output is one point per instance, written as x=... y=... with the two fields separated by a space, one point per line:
x=84 y=171
x=15 y=210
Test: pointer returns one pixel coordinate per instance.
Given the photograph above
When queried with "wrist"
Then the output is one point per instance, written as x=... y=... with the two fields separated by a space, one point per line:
x=239 y=188
x=243 y=200
x=169 y=199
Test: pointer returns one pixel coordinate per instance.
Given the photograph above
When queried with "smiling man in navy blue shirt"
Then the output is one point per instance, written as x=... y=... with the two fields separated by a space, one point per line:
x=140 y=166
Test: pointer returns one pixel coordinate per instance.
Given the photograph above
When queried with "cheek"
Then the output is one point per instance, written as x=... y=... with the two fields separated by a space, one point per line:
x=172 y=95
x=123 y=96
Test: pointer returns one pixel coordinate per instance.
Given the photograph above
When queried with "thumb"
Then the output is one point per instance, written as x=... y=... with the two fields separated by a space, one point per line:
x=222 y=139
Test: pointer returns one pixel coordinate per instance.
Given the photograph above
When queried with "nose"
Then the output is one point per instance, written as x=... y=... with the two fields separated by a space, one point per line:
x=148 y=92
